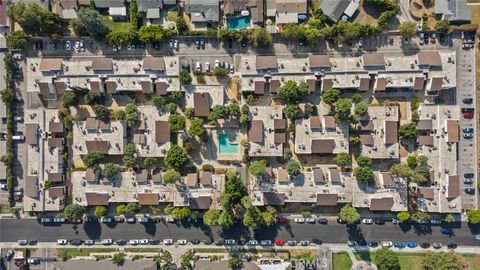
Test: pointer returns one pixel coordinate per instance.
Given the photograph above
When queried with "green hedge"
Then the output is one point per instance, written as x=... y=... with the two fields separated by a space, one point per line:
x=8 y=96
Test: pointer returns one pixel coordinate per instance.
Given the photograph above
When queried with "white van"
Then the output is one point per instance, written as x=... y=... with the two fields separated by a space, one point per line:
x=18 y=137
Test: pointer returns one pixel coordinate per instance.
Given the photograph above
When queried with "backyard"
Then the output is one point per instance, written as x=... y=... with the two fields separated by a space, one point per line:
x=116 y=26
x=341 y=261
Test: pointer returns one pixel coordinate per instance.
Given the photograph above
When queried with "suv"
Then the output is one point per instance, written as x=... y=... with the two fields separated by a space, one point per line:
x=468 y=178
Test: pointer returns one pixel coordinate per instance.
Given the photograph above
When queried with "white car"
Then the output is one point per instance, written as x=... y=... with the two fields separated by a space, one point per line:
x=33 y=260
x=82 y=46
x=310 y=220
x=170 y=219
x=114 y=48
x=167 y=241
x=22 y=242
x=231 y=68
x=367 y=221
x=182 y=242
x=170 y=43
x=217 y=63
x=143 y=241
x=133 y=242
x=62 y=242
x=229 y=242
x=107 y=241
x=252 y=242
x=300 y=220
x=77 y=46
x=387 y=244
x=68 y=45
x=175 y=44
x=198 y=66
x=207 y=66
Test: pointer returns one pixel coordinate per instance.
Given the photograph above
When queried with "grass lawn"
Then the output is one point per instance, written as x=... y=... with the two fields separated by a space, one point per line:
x=116 y=26
x=341 y=261
x=408 y=261
x=70 y=253
x=146 y=250
x=472 y=259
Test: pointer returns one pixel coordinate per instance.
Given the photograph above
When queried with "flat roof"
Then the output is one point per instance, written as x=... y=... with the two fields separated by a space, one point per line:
x=381 y=204
x=162 y=132
x=327 y=199
x=265 y=62
x=148 y=198
x=323 y=146
x=154 y=63
x=102 y=63
x=453 y=132
x=429 y=59
x=255 y=134
x=391 y=132
x=201 y=104
x=373 y=60
x=319 y=61
x=50 y=64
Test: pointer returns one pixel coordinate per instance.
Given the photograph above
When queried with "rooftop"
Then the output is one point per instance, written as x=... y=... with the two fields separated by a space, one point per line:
x=264 y=138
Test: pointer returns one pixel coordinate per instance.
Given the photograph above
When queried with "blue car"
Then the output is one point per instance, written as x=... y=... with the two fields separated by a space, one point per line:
x=412 y=244
x=446 y=230
x=399 y=244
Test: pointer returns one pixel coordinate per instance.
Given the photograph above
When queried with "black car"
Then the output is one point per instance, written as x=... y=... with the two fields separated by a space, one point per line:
x=323 y=221
x=195 y=241
x=452 y=246
x=154 y=241
x=362 y=243
x=468 y=110
x=379 y=221
x=467 y=100
x=121 y=242
x=76 y=242
x=425 y=245
x=470 y=191
x=372 y=244
x=219 y=242
x=32 y=242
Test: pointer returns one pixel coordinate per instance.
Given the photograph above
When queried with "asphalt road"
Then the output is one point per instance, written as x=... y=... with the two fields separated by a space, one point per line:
x=12 y=230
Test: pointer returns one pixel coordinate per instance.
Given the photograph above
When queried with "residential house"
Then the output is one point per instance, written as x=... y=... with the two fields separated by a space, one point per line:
x=202 y=13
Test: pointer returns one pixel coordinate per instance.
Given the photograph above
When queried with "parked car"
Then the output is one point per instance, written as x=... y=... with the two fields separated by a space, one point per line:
x=68 y=45
x=90 y=219
x=281 y=220
x=89 y=242
x=399 y=244
x=446 y=231
x=379 y=221
x=304 y=243
x=396 y=221
x=437 y=245
x=279 y=242
x=229 y=242
x=467 y=100
x=435 y=222
x=143 y=241
x=310 y=220
x=292 y=243
x=372 y=244
x=219 y=242
x=107 y=220
x=121 y=242
x=265 y=243
x=197 y=44
x=387 y=244
x=22 y=242
x=8 y=256
x=131 y=220
x=195 y=241
x=341 y=221
x=167 y=241
x=133 y=242
x=252 y=243
x=470 y=191
x=154 y=241
x=368 y=221
x=207 y=67
x=175 y=44
x=82 y=46
x=62 y=242
x=59 y=220
x=452 y=246
x=77 y=46
x=425 y=245
x=33 y=261
x=119 y=219
x=300 y=220
x=217 y=63
x=202 y=43
x=144 y=220
x=352 y=243
x=32 y=242
x=107 y=242
x=76 y=242
x=412 y=244
x=323 y=221
x=170 y=43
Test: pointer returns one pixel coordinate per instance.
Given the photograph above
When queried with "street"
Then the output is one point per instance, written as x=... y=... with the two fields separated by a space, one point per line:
x=12 y=230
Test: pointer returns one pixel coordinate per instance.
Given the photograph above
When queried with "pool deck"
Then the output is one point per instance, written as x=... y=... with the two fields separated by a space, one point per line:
x=231 y=132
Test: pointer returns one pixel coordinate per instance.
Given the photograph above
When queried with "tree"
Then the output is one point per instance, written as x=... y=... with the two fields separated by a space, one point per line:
x=210 y=217
x=449 y=218
x=361 y=108
x=234 y=110
x=386 y=259
x=186 y=260
x=443 y=26
x=225 y=219
x=420 y=216
x=258 y=167
x=89 y=22
x=133 y=14
x=74 y=211
x=159 y=101
x=407 y=29
x=292 y=111
x=342 y=159
x=473 y=216
x=35 y=20
x=171 y=176
x=176 y=122
x=100 y=211
x=234 y=262
x=17 y=40
x=269 y=216
x=153 y=33
x=363 y=161
x=343 y=108
x=293 y=168
x=357 y=98
x=403 y=216
x=197 y=129
x=120 y=115
x=172 y=107
x=102 y=111
x=92 y=159
x=121 y=209
x=234 y=187
x=69 y=99
x=252 y=217
x=181 y=212
x=150 y=162
x=184 y=77
x=412 y=162
x=408 y=131
x=176 y=157
x=118 y=258
x=220 y=71
x=443 y=261
x=292 y=93
x=132 y=208
x=93 y=97
x=218 y=112
x=363 y=174
x=181 y=25
x=349 y=214
x=119 y=37
x=293 y=31
x=331 y=96
x=110 y=170
x=130 y=161
x=259 y=37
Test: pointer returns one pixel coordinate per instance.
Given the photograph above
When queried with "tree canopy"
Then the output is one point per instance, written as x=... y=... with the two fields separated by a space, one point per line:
x=35 y=20
x=361 y=108
x=185 y=77
x=349 y=214
x=408 y=29
x=110 y=170
x=343 y=108
x=292 y=92
x=386 y=259
x=176 y=122
x=92 y=159
x=473 y=216
x=100 y=211
x=171 y=176
x=403 y=216
x=153 y=33
x=342 y=159
x=197 y=128
x=443 y=261
x=89 y=22
x=330 y=96
x=443 y=26
x=293 y=168
x=259 y=37
x=292 y=111
x=364 y=174
x=17 y=40
x=408 y=131
x=176 y=157
x=150 y=162
x=258 y=167
x=69 y=99
x=74 y=211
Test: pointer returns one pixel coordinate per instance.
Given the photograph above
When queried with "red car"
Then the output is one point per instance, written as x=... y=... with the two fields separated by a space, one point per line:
x=468 y=115
x=279 y=242
x=282 y=220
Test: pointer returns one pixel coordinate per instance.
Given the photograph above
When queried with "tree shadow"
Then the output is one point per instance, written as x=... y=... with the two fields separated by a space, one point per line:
x=93 y=230
x=422 y=229
x=150 y=228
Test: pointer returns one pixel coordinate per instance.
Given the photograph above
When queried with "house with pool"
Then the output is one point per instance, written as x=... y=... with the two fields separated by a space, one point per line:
x=242 y=14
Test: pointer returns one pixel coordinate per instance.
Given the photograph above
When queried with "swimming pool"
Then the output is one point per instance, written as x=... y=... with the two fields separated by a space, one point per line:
x=226 y=147
x=237 y=23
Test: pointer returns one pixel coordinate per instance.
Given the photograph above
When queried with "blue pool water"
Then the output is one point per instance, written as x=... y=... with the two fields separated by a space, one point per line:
x=226 y=147
x=237 y=23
